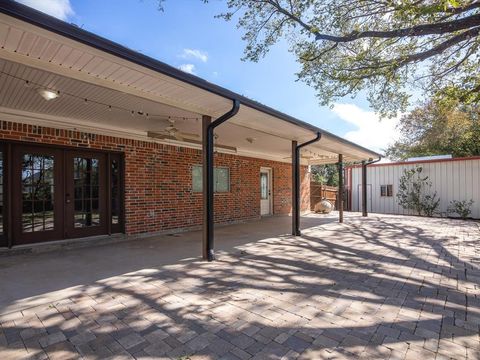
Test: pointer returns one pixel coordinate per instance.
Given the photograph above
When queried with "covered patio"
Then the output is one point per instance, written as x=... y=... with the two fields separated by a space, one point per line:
x=75 y=104
x=393 y=287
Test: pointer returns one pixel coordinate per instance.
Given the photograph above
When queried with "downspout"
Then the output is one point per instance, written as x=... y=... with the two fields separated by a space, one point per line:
x=364 y=184
x=341 y=188
x=208 y=204
x=296 y=183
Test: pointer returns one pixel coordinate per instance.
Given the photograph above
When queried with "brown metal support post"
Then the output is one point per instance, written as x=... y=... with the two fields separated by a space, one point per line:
x=208 y=126
x=295 y=195
x=341 y=189
x=109 y=194
x=207 y=225
x=364 y=189
x=8 y=171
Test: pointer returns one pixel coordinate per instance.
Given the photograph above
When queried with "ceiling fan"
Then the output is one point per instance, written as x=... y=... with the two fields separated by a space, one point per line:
x=306 y=157
x=173 y=133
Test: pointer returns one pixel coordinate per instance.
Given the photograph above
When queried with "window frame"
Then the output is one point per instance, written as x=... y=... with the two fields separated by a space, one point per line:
x=199 y=191
x=384 y=190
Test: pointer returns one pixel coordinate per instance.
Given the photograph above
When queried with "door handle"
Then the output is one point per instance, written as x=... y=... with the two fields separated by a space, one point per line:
x=67 y=199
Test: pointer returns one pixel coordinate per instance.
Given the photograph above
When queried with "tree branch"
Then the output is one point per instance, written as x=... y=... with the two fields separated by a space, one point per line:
x=439 y=48
x=419 y=30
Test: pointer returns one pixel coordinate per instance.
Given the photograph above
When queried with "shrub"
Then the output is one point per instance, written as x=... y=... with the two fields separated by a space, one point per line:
x=414 y=192
x=462 y=208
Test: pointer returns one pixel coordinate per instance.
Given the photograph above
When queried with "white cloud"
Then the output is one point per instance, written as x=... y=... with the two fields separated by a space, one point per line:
x=188 y=68
x=194 y=54
x=61 y=9
x=371 y=132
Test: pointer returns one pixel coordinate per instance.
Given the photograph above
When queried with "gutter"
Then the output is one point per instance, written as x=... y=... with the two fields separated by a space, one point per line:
x=37 y=18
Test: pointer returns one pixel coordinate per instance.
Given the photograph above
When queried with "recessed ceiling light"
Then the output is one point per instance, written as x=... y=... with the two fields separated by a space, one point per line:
x=48 y=94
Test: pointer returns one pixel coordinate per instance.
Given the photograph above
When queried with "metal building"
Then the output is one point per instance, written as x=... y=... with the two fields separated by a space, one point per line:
x=452 y=179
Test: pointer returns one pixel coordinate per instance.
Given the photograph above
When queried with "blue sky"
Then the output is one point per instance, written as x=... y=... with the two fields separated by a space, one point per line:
x=187 y=35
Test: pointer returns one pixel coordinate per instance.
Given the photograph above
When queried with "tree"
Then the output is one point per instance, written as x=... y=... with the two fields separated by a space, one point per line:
x=414 y=192
x=438 y=127
x=325 y=174
x=384 y=47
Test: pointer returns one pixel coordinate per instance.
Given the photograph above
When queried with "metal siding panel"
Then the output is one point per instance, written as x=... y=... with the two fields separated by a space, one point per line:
x=405 y=167
x=371 y=179
x=359 y=190
x=476 y=188
x=391 y=200
x=381 y=200
x=455 y=181
x=72 y=58
x=109 y=71
x=26 y=44
x=120 y=74
x=4 y=29
x=91 y=64
x=398 y=172
x=100 y=67
x=355 y=183
x=469 y=180
x=381 y=179
x=460 y=188
x=38 y=47
x=373 y=185
x=437 y=180
x=13 y=39
x=50 y=51
x=445 y=174
x=429 y=170
x=82 y=61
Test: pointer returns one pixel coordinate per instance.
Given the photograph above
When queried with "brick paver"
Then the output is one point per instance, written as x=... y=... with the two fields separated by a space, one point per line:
x=386 y=287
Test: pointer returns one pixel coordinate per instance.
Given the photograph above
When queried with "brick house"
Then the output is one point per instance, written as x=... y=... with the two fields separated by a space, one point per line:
x=96 y=139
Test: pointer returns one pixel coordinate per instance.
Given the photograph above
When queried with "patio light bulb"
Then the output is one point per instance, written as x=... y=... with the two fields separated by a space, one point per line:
x=48 y=94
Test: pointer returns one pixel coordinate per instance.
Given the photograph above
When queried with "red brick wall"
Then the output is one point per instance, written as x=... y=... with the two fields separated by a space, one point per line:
x=158 y=179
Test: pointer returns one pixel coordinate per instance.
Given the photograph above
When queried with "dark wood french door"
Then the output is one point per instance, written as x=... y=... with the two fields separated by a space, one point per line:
x=37 y=205
x=85 y=194
x=64 y=193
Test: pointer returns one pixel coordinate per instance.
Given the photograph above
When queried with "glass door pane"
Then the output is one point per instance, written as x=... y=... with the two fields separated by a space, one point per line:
x=263 y=186
x=38 y=188
x=85 y=195
x=86 y=192
x=115 y=192
x=37 y=213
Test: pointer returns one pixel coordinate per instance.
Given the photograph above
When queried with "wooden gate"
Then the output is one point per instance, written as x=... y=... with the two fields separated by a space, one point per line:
x=318 y=192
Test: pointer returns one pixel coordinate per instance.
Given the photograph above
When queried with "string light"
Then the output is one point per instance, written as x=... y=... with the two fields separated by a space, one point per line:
x=29 y=84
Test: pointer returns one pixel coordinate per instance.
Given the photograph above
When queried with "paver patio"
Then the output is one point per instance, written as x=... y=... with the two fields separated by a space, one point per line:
x=383 y=287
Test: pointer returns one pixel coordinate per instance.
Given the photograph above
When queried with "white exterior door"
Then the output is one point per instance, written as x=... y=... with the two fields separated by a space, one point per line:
x=265 y=191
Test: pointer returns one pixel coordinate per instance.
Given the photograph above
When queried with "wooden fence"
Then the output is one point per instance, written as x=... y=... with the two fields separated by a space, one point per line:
x=318 y=192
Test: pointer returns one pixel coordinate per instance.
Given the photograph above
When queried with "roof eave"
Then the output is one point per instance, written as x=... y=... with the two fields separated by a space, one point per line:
x=50 y=23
